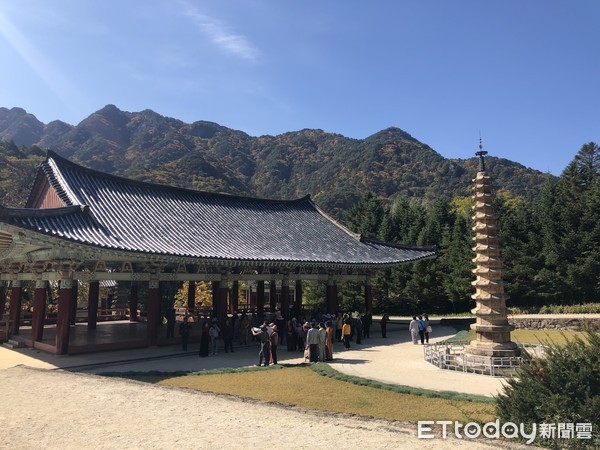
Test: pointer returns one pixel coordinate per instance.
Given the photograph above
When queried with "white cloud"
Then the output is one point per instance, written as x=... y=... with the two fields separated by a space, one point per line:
x=221 y=35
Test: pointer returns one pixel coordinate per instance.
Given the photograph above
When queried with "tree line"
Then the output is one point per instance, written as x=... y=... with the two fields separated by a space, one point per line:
x=550 y=247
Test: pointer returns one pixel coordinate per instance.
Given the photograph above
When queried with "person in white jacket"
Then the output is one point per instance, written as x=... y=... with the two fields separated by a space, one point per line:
x=413 y=327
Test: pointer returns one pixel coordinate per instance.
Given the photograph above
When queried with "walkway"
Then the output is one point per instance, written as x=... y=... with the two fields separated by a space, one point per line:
x=393 y=360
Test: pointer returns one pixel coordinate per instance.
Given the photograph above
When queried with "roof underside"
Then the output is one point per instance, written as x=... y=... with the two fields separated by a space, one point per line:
x=115 y=213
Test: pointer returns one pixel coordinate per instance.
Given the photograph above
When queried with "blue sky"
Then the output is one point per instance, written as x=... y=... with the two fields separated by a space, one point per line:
x=524 y=74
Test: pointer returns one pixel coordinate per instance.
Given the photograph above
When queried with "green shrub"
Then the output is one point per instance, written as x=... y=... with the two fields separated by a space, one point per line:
x=562 y=387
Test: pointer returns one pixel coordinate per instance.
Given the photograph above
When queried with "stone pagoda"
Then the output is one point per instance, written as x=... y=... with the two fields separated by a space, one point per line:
x=491 y=326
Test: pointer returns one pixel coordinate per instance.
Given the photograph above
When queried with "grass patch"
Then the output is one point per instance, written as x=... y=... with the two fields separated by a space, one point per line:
x=301 y=386
x=328 y=371
x=558 y=337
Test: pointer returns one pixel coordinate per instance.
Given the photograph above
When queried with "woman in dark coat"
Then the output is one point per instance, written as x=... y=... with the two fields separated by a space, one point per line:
x=204 y=339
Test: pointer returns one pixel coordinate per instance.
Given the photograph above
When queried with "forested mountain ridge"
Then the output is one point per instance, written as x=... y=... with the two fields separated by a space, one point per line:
x=388 y=186
x=334 y=169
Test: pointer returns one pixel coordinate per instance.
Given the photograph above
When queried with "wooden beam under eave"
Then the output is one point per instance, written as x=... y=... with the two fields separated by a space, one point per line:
x=145 y=276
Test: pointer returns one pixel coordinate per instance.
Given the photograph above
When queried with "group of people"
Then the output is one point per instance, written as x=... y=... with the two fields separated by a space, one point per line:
x=314 y=336
x=268 y=337
x=419 y=329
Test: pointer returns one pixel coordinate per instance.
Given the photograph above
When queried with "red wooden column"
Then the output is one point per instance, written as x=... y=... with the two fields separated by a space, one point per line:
x=332 y=301
x=285 y=298
x=260 y=299
x=222 y=302
x=74 y=295
x=3 y=291
x=235 y=296
x=191 y=300
x=39 y=310
x=15 y=305
x=153 y=311
x=63 y=319
x=93 y=297
x=368 y=295
x=133 y=303
x=215 y=298
x=272 y=296
x=298 y=298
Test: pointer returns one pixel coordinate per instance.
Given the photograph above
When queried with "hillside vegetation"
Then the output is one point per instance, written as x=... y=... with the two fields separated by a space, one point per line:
x=335 y=170
x=388 y=186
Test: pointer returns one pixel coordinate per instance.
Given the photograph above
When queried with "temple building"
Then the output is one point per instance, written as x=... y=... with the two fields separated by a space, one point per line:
x=80 y=225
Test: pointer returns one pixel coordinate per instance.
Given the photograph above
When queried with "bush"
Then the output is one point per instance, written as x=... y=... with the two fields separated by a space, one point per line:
x=586 y=308
x=562 y=387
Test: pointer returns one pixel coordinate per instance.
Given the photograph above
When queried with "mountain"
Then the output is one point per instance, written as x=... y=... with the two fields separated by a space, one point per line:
x=334 y=169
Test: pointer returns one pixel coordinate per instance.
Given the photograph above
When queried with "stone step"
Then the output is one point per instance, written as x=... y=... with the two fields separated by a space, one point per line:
x=11 y=343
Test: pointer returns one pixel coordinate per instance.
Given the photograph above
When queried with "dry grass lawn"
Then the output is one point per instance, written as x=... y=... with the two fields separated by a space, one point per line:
x=300 y=386
x=539 y=336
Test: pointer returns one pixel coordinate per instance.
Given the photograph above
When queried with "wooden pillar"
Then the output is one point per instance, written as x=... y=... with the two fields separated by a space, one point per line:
x=252 y=299
x=368 y=295
x=63 y=319
x=215 y=298
x=74 y=295
x=220 y=301
x=39 y=311
x=235 y=296
x=153 y=311
x=331 y=297
x=93 y=296
x=260 y=299
x=272 y=296
x=191 y=299
x=298 y=299
x=3 y=291
x=15 y=305
x=285 y=298
x=133 y=303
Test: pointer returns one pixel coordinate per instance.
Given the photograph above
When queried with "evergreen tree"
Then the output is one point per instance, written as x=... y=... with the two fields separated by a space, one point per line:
x=366 y=216
x=569 y=216
x=455 y=259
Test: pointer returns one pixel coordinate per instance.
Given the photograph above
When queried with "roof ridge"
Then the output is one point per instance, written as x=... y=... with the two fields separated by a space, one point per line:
x=62 y=160
x=43 y=212
x=346 y=230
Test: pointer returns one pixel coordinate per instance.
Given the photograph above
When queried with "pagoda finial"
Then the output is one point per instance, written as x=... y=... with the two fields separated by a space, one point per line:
x=481 y=153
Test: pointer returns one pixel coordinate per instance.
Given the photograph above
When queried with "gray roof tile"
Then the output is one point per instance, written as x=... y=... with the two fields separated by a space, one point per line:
x=117 y=213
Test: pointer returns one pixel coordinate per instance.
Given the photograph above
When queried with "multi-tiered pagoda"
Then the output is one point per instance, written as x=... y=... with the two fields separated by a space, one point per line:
x=492 y=327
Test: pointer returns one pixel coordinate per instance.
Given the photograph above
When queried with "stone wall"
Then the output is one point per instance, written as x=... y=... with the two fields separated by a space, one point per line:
x=567 y=323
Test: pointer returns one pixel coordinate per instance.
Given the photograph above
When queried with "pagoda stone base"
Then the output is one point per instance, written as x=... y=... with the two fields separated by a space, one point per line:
x=492 y=339
x=493 y=349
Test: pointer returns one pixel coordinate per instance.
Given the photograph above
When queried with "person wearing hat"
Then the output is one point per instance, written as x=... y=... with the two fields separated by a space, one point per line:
x=262 y=335
x=312 y=342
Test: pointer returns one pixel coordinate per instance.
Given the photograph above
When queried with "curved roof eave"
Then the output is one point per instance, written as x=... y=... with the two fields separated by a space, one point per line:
x=123 y=252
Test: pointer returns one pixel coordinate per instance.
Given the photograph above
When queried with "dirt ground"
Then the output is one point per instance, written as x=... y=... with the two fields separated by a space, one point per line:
x=55 y=409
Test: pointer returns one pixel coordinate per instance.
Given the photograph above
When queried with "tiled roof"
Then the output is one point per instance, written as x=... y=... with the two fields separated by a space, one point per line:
x=116 y=213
